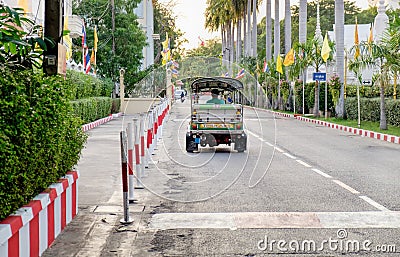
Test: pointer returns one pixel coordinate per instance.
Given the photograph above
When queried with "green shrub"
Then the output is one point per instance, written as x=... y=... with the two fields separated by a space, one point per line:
x=84 y=86
x=40 y=137
x=370 y=110
x=93 y=108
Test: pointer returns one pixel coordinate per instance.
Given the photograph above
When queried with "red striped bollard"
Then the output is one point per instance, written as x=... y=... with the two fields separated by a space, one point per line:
x=148 y=137
x=155 y=119
x=160 y=122
x=130 y=162
x=126 y=219
x=136 y=142
x=142 y=142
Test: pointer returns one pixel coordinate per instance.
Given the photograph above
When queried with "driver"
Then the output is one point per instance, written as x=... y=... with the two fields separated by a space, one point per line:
x=215 y=99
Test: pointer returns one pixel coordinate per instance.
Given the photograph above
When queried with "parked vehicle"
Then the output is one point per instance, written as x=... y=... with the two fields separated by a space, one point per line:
x=218 y=122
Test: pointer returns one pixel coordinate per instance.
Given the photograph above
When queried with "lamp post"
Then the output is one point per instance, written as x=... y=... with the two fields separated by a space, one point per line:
x=121 y=88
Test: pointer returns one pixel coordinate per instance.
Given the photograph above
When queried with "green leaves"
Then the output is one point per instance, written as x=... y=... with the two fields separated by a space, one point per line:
x=40 y=136
x=18 y=48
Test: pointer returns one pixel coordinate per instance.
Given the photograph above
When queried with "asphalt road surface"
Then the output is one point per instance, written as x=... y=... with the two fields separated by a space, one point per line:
x=299 y=189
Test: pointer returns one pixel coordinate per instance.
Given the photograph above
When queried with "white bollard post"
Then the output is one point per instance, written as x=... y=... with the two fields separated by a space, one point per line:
x=131 y=177
x=136 y=142
x=142 y=142
x=126 y=219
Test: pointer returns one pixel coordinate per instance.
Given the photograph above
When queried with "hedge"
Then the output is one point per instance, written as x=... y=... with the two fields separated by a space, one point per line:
x=40 y=137
x=91 y=109
x=370 y=110
x=84 y=86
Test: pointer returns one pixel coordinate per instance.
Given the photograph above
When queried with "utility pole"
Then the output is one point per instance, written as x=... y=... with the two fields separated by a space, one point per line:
x=113 y=25
x=52 y=29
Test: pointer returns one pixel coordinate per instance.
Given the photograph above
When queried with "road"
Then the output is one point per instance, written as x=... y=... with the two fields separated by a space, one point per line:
x=299 y=190
x=296 y=182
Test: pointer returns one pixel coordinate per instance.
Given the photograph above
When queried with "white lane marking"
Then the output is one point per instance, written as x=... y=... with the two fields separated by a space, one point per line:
x=373 y=203
x=269 y=144
x=289 y=155
x=245 y=220
x=322 y=173
x=303 y=163
x=348 y=188
x=278 y=149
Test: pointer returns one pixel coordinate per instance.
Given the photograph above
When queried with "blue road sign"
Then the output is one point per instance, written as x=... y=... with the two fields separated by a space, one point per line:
x=320 y=76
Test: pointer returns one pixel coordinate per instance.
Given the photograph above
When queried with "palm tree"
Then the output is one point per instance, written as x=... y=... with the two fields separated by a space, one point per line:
x=238 y=7
x=339 y=35
x=312 y=57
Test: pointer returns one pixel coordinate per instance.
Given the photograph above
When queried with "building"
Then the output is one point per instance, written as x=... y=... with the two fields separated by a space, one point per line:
x=144 y=11
x=34 y=9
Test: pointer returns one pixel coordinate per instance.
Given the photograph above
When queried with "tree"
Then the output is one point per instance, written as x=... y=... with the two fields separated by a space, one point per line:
x=129 y=37
x=211 y=48
x=311 y=56
x=165 y=23
x=19 y=49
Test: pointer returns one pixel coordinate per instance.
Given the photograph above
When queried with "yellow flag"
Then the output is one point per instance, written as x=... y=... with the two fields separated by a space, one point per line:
x=67 y=40
x=279 y=65
x=370 y=39
x=325 y=48
x=92 y=59
x=95 y=39
x=371 y=36
x=165 y=43
x=289 y=58
x=356 y=42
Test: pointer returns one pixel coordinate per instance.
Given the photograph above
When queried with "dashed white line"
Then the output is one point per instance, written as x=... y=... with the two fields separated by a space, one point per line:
x=322 y=173
x=348 y=188
x=304 y=163
x=289 y=155
x=373 y=203
x=338 y=182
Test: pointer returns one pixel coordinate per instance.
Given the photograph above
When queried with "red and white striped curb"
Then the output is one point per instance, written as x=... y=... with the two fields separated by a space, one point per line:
x=33 y=228
x=98 y=122
x=361 y=132
x=287 y=115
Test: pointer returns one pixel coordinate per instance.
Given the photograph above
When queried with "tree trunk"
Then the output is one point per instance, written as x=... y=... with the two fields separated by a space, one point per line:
x=316 y=99
x=232 y=43
x=383 y=122
x=239 y=41
x=254 y=30
x=303 y=21
x=339 y=34
x=248 y=28
x=245 y=31
x=268 y=33
x=277 y=32
x=288 y=27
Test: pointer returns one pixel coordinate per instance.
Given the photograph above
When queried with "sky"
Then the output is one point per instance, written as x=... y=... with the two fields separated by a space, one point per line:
x=190 y=18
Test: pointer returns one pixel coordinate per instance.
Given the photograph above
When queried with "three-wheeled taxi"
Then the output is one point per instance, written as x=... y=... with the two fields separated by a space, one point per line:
x=217 y=117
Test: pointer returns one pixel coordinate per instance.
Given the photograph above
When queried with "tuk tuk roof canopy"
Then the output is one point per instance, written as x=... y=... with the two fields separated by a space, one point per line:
x=203 y=84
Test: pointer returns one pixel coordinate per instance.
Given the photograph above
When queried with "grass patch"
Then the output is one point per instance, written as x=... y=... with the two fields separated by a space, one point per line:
x=367 y=125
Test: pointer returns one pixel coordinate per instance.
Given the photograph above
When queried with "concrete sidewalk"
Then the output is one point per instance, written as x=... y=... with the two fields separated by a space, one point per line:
x=96 y=230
